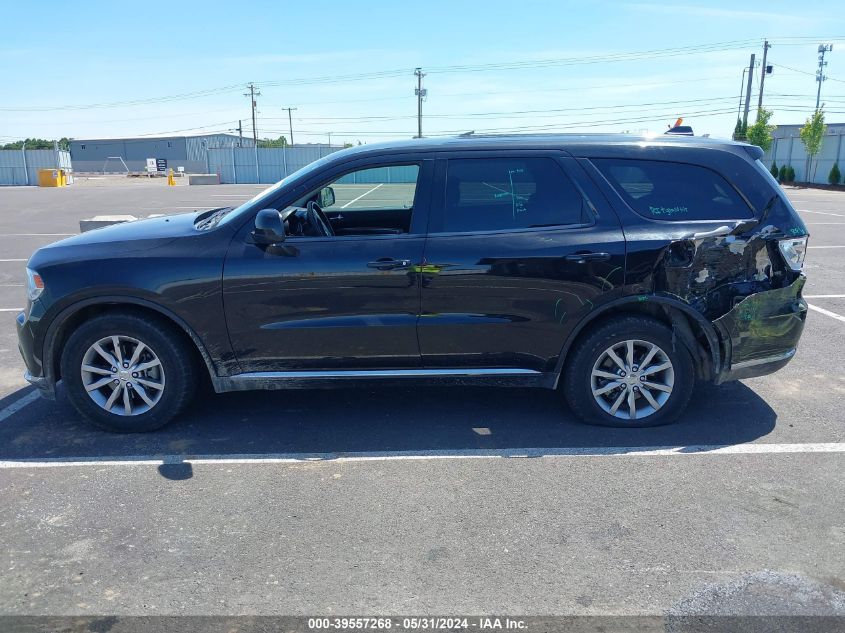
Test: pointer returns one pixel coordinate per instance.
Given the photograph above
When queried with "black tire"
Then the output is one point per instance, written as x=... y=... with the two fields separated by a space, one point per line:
x=576 y=383
x=171 y=348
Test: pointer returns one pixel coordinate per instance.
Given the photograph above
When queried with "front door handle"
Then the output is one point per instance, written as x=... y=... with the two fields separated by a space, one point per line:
x=389 y=264
x=582 y=258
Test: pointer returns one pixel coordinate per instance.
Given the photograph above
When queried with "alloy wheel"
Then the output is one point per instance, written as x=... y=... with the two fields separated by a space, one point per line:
x=632 y=379
x=122 y=375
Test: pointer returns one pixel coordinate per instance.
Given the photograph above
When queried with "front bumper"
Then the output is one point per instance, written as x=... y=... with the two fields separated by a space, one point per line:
x=760 y=334
x=35 y=373
x=45 y=386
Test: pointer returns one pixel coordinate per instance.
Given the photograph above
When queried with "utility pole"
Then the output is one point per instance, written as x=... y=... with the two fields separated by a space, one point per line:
x=748 y=92
x=240 y=134
x=290 y=123
x=763 y=69
x=820 y=77
x=253 y=92
x=420 y=92
x=741 y=88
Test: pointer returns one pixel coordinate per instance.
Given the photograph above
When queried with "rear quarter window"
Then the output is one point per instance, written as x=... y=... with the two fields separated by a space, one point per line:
x=673 y=191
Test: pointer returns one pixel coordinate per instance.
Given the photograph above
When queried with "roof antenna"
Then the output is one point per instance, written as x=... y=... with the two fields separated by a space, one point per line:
x=466 y=134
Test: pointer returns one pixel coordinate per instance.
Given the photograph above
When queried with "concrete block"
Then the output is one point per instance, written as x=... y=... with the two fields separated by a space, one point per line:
x=99 y=221
x=203 y=179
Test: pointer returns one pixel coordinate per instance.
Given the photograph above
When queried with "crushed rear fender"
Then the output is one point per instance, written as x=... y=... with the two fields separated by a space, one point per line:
x=742 y=286
x=762 y=331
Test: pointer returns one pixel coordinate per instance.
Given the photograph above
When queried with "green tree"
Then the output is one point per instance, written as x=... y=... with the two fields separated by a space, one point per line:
x=812 y=135
x=834 y=175
x=38 y=143
x=273 y=142
x=739 y=130
x=761 y=132
x=790 y=174
x=774 y=170
x=782 y=173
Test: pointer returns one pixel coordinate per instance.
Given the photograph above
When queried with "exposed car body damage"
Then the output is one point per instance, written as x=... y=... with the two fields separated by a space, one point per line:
x=741 y=284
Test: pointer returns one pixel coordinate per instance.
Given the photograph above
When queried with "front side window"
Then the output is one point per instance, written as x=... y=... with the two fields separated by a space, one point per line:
x=490 y=194
x=673 y=191
x=391 y=187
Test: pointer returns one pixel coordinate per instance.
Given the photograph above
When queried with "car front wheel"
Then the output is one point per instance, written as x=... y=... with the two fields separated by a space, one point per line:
x=629 y=372
x=127 y=374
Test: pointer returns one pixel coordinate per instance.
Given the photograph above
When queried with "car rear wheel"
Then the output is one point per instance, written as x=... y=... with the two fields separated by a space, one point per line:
x=629 y=372
x=127 y=374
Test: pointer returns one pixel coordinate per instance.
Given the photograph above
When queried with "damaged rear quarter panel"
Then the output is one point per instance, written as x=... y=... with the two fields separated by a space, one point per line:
x=739 y=283
x=765 y=324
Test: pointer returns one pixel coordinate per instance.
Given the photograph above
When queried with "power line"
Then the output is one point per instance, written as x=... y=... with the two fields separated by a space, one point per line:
x=510 y=113
x=130 y=102
x=565 y=61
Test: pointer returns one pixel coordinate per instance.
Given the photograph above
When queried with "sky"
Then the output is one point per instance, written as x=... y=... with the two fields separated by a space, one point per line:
x=108 y=70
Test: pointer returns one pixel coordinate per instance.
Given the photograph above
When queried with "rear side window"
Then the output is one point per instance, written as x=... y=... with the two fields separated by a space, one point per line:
x=673 y=191
x=489 y=194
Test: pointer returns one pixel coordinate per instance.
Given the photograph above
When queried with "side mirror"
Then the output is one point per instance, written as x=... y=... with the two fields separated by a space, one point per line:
x=268 y=228
x=325 y=197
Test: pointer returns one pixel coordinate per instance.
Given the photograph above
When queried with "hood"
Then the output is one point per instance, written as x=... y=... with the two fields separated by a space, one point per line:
x=126 y=237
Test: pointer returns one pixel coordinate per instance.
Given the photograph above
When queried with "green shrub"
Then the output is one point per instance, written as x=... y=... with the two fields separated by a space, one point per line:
x=782 y=173
x=774 y=170
x=790 y=174
x=834 y=176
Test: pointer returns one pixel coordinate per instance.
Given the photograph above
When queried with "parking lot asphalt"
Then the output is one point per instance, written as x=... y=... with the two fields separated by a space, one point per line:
x=422 y=500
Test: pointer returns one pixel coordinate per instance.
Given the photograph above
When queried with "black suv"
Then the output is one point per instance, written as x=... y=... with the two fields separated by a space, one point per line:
x=619 y=269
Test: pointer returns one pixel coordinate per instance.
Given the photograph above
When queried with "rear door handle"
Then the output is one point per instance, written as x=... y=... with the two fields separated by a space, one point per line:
x=389 y=264
x=581 y=258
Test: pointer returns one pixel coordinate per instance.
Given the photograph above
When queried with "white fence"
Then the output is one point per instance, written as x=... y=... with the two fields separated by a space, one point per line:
x=19 y=167
x=789 y=150
x=248 y=165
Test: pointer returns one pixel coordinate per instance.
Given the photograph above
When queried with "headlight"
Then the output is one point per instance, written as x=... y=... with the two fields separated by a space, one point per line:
x=34 y=284
x=793 y=250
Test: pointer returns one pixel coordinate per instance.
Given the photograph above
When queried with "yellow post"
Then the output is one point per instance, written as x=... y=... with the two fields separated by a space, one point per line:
x=170 y=179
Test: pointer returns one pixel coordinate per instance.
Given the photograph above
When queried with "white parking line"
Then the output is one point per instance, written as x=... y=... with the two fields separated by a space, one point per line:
x=836 y=215
x=824 y=296
x=37 y=234
x=361 y=196
x=18 y=404
x=11 y=309
x=376 y=456
x=832 y=315
x=826 y=247
x=12 y=260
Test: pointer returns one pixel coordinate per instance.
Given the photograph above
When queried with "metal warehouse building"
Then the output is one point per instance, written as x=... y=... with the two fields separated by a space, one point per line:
x=190 y=152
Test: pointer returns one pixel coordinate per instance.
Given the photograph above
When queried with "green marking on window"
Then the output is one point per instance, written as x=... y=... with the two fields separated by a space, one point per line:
x=676 y=210
x=642 y=298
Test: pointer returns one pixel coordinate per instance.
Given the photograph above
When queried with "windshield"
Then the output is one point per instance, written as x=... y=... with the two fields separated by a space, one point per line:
x=264 y=198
